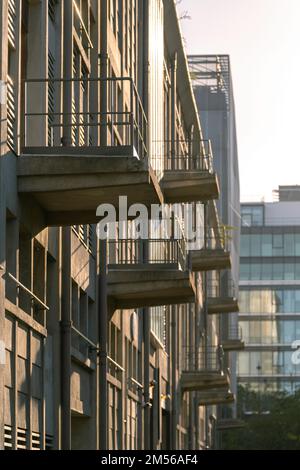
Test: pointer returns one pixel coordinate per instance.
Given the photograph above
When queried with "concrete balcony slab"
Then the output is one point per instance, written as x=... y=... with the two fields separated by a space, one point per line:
x=227 y=424
x=70 y=183
x=189 y=186
x=203 y=380
x=149 y=285
x=210 y=259
x=219 y=305
x=215 y=397
x=233 y=345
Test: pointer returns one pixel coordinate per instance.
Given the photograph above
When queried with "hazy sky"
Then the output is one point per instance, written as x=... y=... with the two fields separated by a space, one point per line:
x=263 y=40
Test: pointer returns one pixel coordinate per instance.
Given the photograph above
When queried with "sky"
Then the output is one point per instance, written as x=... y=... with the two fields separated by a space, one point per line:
x=262 y=38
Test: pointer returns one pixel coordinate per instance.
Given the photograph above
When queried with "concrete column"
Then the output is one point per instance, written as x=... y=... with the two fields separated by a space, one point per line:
x=68 y=72
x=103 y=71
x=173 y=106
x=174 y=392
x=3 y=138
x=66 y=324
x=103 y=322
x=66 y=237
x=192 y=326
x=103 y=307
x=174 y=326
x=146 y=324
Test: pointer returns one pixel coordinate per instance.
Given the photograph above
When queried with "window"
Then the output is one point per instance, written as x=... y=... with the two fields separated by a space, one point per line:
x=266 y=271
x=243 y=363
x=278 y=244
x=289 y=271
x=266 y=245
x=278 y=271
x=252 y=215
x=245 y=245
x=255 y=271
x=255 y=245
x=289 y=244
x=244 y=272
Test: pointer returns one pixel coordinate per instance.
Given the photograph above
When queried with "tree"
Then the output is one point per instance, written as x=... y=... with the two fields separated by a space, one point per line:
x=274 y=425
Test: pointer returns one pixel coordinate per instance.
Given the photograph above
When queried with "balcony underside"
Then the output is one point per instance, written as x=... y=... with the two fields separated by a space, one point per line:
x=227 y=424
x=70 y=183
x=210 y=259
x=149 y=285
x=233 y=345
x=203 y=380
x=222 y=305
x=215 y=397
x=189 y=186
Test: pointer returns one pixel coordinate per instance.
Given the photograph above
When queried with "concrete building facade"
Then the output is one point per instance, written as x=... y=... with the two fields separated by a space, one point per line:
x=102 y=343
x=213 y=88
x=269 y=297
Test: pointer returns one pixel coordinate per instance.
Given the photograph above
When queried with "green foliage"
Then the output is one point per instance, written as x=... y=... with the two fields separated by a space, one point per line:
x=275 y=425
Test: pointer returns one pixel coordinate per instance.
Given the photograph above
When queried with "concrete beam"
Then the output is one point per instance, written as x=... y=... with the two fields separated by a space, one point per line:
x=215 y=397
x=203 y=380
x=216 y=305
x=233 y=345
x=210 y=259
x=69 y=188
x=135 y=287
x=190 y=186
x=226 y=424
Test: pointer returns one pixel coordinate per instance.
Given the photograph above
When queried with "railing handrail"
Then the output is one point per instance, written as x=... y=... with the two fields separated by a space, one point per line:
x=75 y=79
x=135 y=382
x=177 y=253
x=84 y=337
x=198 y=359
x=131 y=131
x=28 y=291
x=115 y=364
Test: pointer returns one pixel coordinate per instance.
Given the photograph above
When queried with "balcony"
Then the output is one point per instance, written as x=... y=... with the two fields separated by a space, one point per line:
x=148 y=273
x=189 y=174
x=215 y=255
x=230 y=424
x=65 y=166
x=25 y=304
x=233 y=340
x=202 y=371
x=221 y=299
x=216 y=397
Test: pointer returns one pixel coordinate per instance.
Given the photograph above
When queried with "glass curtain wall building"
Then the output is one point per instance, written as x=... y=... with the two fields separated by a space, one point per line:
x=269 y=296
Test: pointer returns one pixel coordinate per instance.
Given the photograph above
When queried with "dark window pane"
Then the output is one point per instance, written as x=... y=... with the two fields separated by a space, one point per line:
x=289 y=244
x=266 y=244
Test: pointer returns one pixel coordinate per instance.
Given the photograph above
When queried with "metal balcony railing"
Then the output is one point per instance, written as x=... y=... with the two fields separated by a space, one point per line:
x=46 y=123
x=183 y=155
x=114 y=368
x=234 y=333
x=224 y=288
x=25 y=299
x=152 y=251
x=210 y=359
x=220 y=241
x=83 y=344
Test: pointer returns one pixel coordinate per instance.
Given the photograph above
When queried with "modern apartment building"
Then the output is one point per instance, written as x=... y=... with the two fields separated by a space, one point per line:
x=212 y=83
x=105 y=344
x=269 y=295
